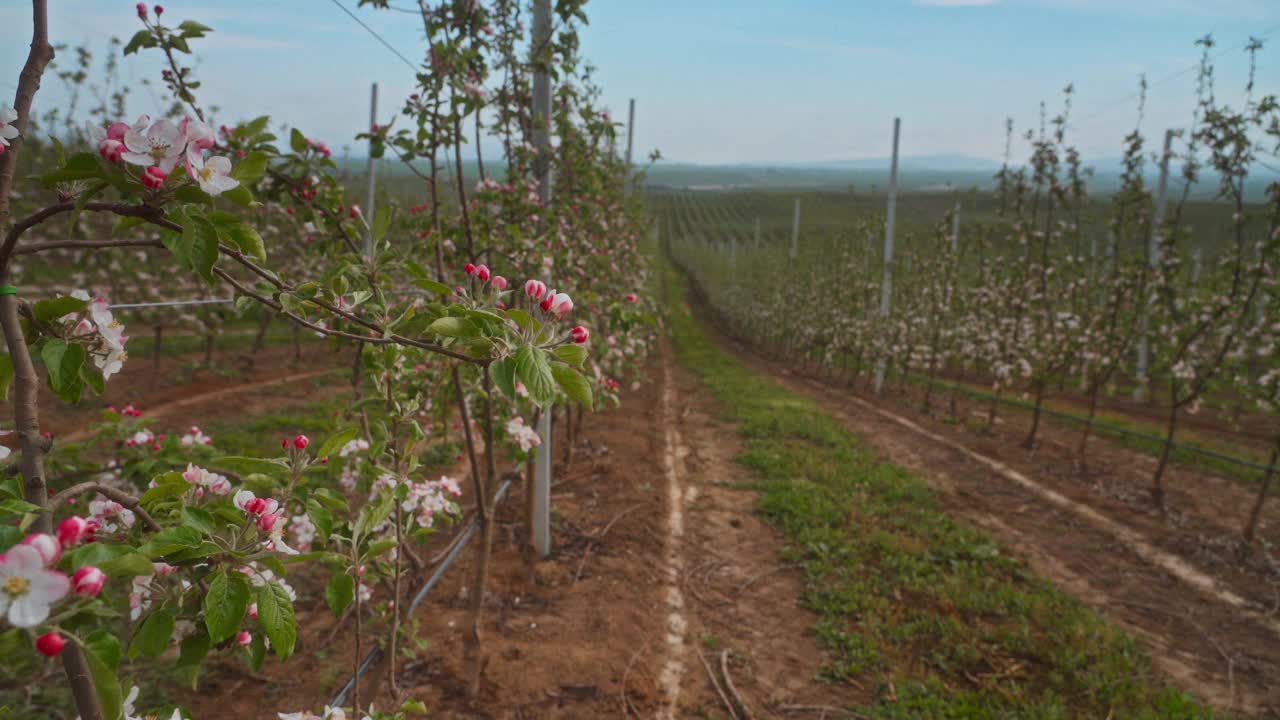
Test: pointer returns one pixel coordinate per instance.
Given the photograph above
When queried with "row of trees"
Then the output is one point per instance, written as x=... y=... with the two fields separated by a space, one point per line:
x=161 y=541
x=1054 y=288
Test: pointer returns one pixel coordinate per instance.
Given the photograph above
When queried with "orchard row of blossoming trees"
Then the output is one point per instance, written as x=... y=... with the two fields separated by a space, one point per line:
x=1038 y=297
x=148 y=542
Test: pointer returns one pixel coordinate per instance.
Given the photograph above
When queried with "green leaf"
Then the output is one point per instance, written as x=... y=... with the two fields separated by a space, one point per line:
x=238 y=234
x=381 y=222
x=191 y=652
x=193 y=29
x=168 y=485
x=225 y=604
x=339 y=593
x=454 y=327
x=331 y=499
x=140 y=39
x=19 y=507
x=257 y=652
x=241 y=465
x=275 y=615
x=153 y=636
x=6 y=376
x=297 y=141
x=573 y=383
x=433 y=287
x=240 y=195
x=50 y=310
x=201 y=238
x=372 y=515
x=251 y=168
x=98 y=553
x=574 y=355
x=127 y=565
x=336 y=441
x=503 y=373
x=171 y=540
x=104 y=678
x=81 y=166
x=201 y=520
x=534 y=370
x=63 y=362
x=378 y=547
x=92 y=376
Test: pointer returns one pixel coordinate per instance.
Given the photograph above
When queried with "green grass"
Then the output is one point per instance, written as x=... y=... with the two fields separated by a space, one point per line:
x=933 y=616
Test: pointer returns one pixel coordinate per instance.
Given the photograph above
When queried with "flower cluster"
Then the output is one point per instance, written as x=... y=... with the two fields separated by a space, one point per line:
x=101 y=334
x=523 y=435
x=159 y=146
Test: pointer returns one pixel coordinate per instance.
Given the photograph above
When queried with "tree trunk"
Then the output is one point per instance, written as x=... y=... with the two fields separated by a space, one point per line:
x=1030 y=442
x=1088 y=426
x=1255 y=514
x=261 y=337
x=155 y=349
x=1157 y=479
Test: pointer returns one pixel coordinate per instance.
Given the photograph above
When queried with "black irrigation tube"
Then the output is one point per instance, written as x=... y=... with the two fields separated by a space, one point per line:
x=1105 y=426
x=465 y=537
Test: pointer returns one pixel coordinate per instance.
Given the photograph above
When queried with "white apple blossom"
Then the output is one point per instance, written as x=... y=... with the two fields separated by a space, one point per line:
x=212 y=175
x=7 y=130
x=27 y=589
x=161 y=145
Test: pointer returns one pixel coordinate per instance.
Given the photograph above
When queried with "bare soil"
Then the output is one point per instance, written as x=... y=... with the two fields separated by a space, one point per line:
x=584 y=633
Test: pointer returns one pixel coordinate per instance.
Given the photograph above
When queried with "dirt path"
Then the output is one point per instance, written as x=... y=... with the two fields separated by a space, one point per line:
x=1202 y=629
x=661 y=578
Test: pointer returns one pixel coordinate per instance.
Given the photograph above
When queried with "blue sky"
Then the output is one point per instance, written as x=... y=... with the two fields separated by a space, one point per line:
x=735 y=80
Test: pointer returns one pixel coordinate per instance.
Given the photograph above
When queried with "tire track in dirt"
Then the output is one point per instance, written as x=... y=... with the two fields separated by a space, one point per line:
x=1171 y=564
x=675 y=627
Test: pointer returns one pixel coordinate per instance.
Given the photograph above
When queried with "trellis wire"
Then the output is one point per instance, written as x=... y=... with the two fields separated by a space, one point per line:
x=376 y=653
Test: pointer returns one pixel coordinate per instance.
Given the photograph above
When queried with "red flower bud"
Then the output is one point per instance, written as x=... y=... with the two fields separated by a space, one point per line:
x=50 y=644
x=88 y=581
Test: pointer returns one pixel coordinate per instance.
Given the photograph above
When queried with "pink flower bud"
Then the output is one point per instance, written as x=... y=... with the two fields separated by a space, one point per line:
x=535 y=289
x=243 y=638
x=153 y=177
x=72 y=530
x=267 y=521
x=253 y=610
x=159 y=10
x=499 y=282
x=117 y=131
x=88 y=581
x=561 y=304
x=469 y=269
x=111 y=150
x=285 y=443
x=46 y=545
x=631 y=298
x=142 y=10
x=50 y=644
x=301 y=442
x=580 y=334
x=482 y=273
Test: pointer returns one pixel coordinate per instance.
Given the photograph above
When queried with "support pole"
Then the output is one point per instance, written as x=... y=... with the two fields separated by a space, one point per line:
x=542 y=144
x=1153 y=260
x=955 y=230
x=631 y=135
x=891 y=218
x=795 y=231
x=372 y=175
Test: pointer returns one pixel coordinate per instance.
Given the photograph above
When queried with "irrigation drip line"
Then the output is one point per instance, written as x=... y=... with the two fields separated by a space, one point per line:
x=171 y=303
x=1103 y=425
x=376 y=653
